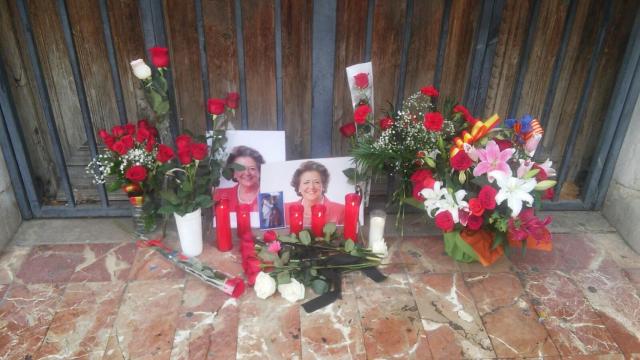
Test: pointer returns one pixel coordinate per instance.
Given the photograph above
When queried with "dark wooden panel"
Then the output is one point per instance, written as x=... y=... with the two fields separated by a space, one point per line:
x=57 y=72
x=351 y=30
x=129 y=45
x=88 y=37
x=185 y=63
x=258 y=24
x=423 y=47
x=296 y=73
x=457 y=57
x=222 y=57
x=511 y=39
x=24 y=94
x=386 y=49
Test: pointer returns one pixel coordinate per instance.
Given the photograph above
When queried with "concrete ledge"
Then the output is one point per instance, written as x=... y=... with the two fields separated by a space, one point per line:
x=622 y=209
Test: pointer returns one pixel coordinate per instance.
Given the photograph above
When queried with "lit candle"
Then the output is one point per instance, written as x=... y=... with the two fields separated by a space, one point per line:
x=318 y=219
x=223 y=225
x=376 y=231
x=296 y=212
x=351 y=212
x=243 y=220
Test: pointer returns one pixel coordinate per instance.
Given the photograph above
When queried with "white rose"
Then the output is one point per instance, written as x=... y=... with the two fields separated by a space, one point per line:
x=265 y=285
x=141 y=70
x=292 y=291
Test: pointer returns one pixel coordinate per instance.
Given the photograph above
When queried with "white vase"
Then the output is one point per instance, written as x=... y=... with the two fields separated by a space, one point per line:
x=190 y=232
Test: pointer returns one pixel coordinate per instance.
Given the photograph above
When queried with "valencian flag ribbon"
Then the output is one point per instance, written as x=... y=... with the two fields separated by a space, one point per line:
x=479 y=129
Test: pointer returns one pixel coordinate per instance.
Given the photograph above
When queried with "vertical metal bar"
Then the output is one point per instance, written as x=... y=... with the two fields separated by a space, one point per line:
x=624 y=97
x=489 y=57
x=82 y=96
x=524 y=59
x=442 y=43
x=204 y=65
x=371 y=6
x=480 y=47
x=45 y=102
x=557 y=64
x=582 y=104
x=279 y=98
x=323 y=61
x=406 y=40
x=111 y=53
x=241 y=69
x=25 y=193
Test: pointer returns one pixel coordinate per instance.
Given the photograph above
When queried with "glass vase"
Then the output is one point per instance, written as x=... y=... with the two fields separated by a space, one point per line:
x=143 y=214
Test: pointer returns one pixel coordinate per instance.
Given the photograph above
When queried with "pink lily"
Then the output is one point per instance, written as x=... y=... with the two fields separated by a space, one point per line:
x=492 y=159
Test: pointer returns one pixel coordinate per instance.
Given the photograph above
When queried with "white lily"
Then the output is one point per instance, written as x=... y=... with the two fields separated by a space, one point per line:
x=453 y=203
x=432 y=197
x=514 y=190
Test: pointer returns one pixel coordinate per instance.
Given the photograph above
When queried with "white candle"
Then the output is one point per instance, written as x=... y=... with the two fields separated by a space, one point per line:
x=376 y=231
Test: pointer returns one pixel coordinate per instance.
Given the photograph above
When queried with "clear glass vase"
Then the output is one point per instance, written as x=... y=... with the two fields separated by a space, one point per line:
x=143 y=214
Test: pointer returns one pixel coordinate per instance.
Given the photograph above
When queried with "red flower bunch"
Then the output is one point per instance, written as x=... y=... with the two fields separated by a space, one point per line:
x=250 y=260
x=433 y=121
x=361 y=114
x=421 y=179
x=218 y=106
x=189 y=150
x=430 y=91
x=124 y=138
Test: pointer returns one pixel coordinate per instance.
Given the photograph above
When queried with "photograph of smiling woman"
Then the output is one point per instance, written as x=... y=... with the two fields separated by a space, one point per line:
x=247 y=180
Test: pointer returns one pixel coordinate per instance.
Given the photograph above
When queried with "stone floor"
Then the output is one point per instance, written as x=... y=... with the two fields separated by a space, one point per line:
x=80 y=289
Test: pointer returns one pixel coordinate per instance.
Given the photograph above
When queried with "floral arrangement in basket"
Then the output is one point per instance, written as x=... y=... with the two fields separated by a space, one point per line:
x=479 y=182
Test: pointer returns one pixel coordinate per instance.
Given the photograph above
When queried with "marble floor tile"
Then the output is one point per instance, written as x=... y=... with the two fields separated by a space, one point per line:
x=146 y=322
x=82 y=322
x=426 y=254
x=105 y=262
x=51 y=263
x=390 y=319
x=452 y=324
x=229 y=262
x=509 y=319
x=617 y=249
x=576 y=329
x=634 y=277
x=268 y=329
x=335 y=331
x=11 y=259
x=150 y=265
x=25 y=316
x=501 y=265
x=207 y=325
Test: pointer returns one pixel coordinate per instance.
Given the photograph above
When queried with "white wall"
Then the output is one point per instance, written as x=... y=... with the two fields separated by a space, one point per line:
x=10 y=218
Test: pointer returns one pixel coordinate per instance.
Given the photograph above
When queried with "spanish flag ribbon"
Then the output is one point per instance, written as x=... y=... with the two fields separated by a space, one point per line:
x=479 y=130
x=136 y=200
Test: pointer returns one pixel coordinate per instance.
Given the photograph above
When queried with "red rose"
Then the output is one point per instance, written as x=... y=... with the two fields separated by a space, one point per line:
x=541 y=175
x=251 y=267
x=444 y=221
x=127 y=141
x=142 y=135
x=465 y=113
x=107 y=139
x=143 y=123
x=117 y=131
x=151 y=142
x=548 y=194
x=386 y=123
x=184 y=155
x=199 y=151
x=270 y=236
x=503 y=144
x=361 y=80
x=433 y=121
x=420 y=175
x=475 y=206
x=159 y=56
x=430 y=91
x=487 y=196
x=461 y=161
x=232 y=100
x=348 y=130
x=215 y=106
x=103 y=134
x=165 y=153
x=361 y=113
x=183 y=141
x=475 y=222
x=119 y=147
x=130 y=129
x=136 y=173
x=237 y=284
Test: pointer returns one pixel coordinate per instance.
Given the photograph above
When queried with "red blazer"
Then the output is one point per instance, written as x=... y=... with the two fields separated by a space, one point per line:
x=335 y=212
x=232 y=194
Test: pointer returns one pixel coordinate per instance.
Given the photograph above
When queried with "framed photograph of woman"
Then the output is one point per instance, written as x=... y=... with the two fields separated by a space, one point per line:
x=309 y=182
x=251 y=150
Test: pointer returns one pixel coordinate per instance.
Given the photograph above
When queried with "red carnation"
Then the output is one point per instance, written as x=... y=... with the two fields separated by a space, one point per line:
x=183 y=141
x=433 y=121
x=270 y=236
x=216 y=106
x=487 y=196
x=465 y=113
x=159 y=56
x=475 y=206
x=143 y=123
x=199 y=151
x=103 y=134
x=361 y=113
x=430 y=91
x=361 y=80
x=184 y=155
x=348 y=130
x=461 y=161
x=117 y=131
x=142 y=134
x=419 y=175
x=130 y=129
x=475 y=222
x=386 y=123
x=165 y=153
x=232 y=100
x=444 y=221
x=136 y=173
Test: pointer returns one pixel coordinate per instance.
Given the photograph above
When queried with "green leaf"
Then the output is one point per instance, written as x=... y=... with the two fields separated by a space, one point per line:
x=265 y=255
x=498 y=239
x=154 y=98
x=457 y=248
x=186 y=186
x=305 y=237
x=285 y=257
x=313 y=272
x=162 y=108
x=329 y=228
x=350 y=173
x=277 y=262
x=283 y=277
x=167 y=210
x=319 y=286
x=349 y=245
x=430 y=162
x=227 y=173
x=355 y=252
x=288 y=239
x=413 y=202
x=170 y=196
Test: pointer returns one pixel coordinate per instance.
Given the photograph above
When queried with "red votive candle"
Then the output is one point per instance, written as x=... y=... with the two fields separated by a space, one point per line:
x=318 y=219
x=351 y=213
x=243 y=220
x=296 y=213
x=223 y=225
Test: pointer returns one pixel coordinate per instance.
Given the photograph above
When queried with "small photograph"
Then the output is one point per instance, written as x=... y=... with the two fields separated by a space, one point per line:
x=271 y=210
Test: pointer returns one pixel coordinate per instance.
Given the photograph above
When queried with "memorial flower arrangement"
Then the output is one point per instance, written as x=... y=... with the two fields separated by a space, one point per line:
x=289 y=264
